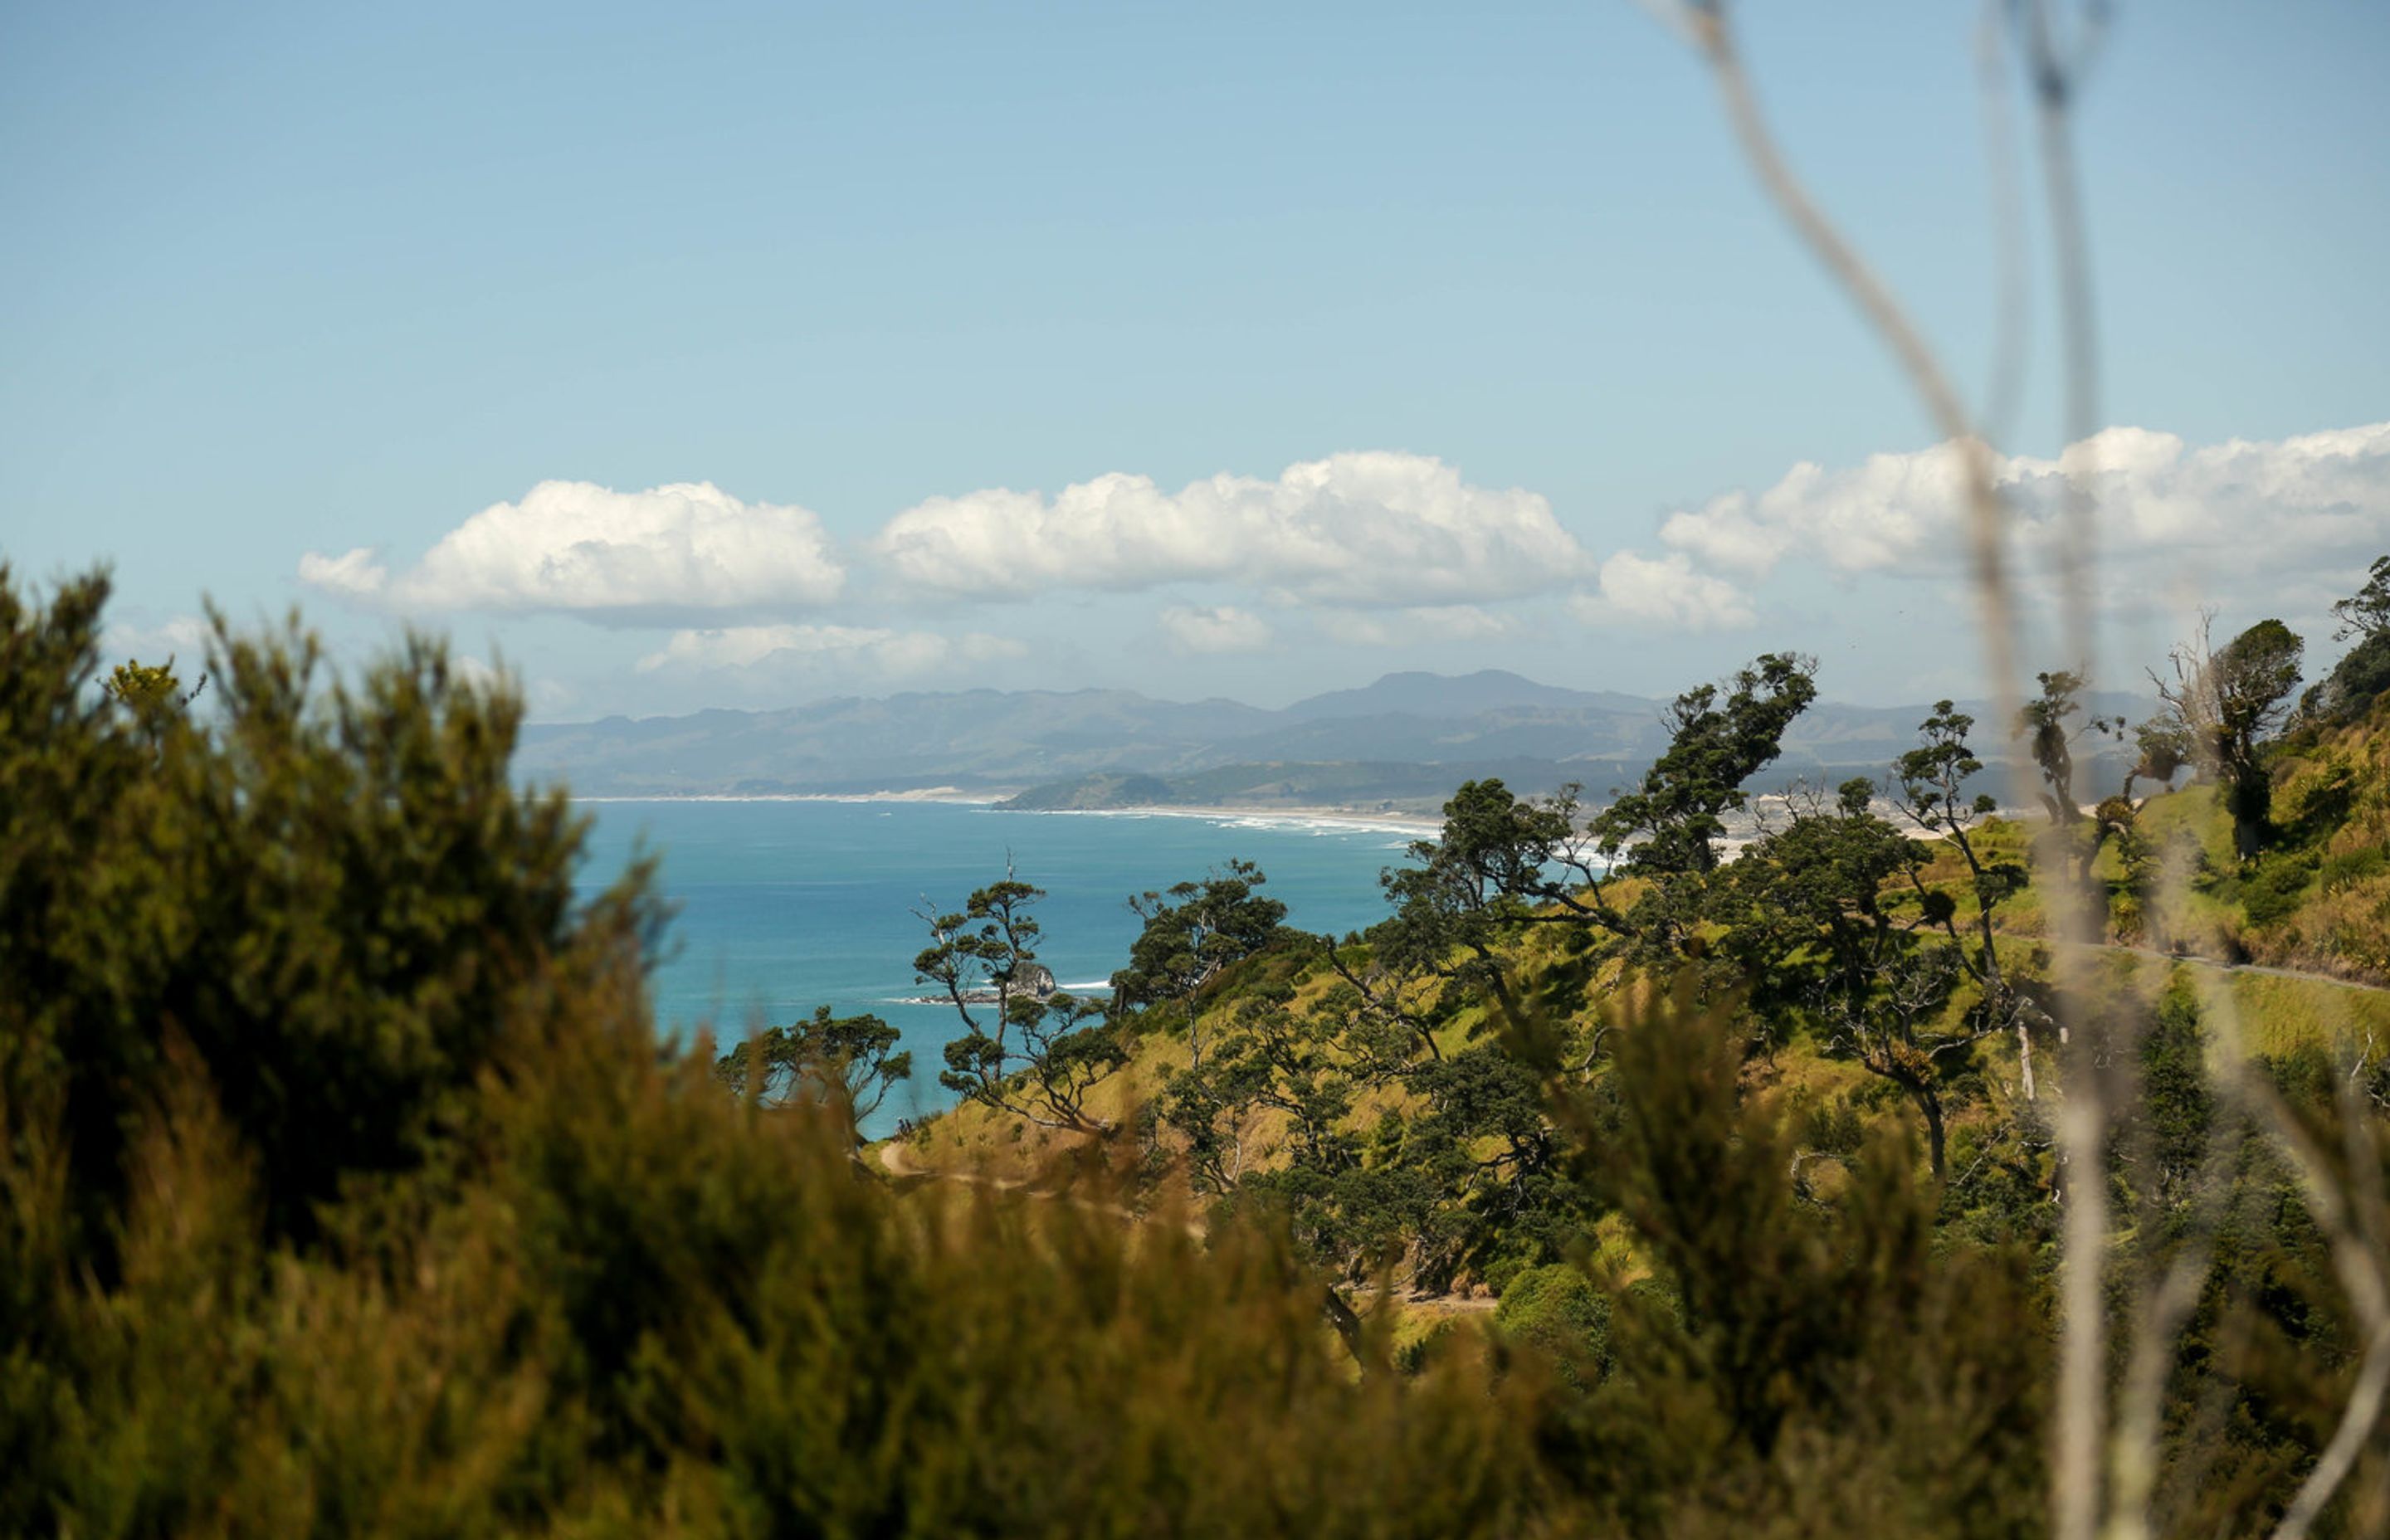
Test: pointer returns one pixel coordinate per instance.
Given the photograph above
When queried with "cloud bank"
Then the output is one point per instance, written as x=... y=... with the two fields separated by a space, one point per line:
x=1375 y=549
x=1358 y=530
x=2274 y=504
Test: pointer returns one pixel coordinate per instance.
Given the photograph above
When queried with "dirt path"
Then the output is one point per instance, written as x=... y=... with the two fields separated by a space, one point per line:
x=2192 y=960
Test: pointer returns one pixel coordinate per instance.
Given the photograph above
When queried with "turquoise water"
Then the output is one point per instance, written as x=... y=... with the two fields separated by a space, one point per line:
x=785 y=905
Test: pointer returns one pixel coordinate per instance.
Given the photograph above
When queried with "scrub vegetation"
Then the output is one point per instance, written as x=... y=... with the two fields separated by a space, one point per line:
x=1618 y=1182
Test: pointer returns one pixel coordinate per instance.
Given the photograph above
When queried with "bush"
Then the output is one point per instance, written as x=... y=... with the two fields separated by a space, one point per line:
x=1559 y=1310
x=347 y=1191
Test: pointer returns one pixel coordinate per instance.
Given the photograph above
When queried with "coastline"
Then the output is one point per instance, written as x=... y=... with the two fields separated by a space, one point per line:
x=1350 y=819
x=1324 y=818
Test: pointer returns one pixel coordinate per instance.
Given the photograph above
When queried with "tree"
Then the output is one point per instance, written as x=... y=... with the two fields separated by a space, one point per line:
x=1933 y=796
x=1271 y=1056
x=2164 y=748
x=1672 y=823
x=153 y=696
x=2046 y=724
x=847 y=1063
x=1192 y=933
x=147 y=689
x=2356 y=682
x=1805 y=909
x=331 y=905
x=2228 y=704
x=1036 y=1054
x=2366 y=613
x=1501 y=862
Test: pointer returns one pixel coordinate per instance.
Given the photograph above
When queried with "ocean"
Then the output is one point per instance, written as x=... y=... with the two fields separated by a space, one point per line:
x=783 y=906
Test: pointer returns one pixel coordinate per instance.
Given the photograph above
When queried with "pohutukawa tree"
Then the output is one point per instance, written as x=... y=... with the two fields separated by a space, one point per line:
x=1934 y=795
x=2050 y=726
x=1025 y=1051
x=1720 y=736
x=1805 y=911
x=2228 y=703
x=845 y=1064
x=2366 y=613
x=1193 y=934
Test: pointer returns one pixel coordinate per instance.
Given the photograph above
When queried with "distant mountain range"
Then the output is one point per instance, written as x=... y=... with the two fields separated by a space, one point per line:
x=1400 y=744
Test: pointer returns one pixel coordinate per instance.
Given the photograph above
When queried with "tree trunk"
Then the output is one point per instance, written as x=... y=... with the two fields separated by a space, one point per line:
x=2249 y=795
x=1928 y=1102
x=1348 y=1327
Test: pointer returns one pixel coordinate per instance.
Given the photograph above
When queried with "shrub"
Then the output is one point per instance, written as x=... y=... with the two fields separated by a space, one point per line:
x=1559 y=1310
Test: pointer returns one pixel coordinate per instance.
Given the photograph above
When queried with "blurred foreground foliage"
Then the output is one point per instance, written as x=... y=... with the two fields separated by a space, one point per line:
x=345 y=1189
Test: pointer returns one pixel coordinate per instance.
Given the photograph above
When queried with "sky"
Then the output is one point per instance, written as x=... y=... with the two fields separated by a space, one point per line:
x=681 y=356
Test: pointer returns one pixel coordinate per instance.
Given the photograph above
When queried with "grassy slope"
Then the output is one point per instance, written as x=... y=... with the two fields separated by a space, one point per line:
x=2321 y=903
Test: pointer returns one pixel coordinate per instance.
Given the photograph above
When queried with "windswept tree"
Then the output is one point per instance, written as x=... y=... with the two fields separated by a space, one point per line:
x=1027 y=1051
x=2162 y=747
x=1501 y=862
x=846 y=1064
x=1807 y=910
x=1719 y=736
x=2363 y=675
x=2366 y=613
x=1193 y=933
x=2229 y=702
x=2050 y=726
x=1933 y=794
x=1292 y=1068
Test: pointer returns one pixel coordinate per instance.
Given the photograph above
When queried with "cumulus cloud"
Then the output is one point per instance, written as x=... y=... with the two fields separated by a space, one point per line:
x=1205 y=629
x=828 y=649
x=2274 y=502
x=676 y=552
x=1363 y=530
x=1667 y=591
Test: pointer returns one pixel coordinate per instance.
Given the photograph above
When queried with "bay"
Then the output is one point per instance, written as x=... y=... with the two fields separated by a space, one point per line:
x=781 y=905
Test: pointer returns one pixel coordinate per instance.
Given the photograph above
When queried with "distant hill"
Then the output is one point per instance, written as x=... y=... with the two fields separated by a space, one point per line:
x=1456 y=694
x=1402 y=743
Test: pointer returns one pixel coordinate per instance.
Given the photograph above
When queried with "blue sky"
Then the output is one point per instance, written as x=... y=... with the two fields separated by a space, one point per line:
x=315 y=287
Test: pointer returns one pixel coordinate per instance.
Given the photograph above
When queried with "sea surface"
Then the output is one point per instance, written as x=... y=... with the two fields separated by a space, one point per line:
x=783 y=906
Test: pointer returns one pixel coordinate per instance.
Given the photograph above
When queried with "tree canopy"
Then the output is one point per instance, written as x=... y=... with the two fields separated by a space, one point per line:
x=1720 y=736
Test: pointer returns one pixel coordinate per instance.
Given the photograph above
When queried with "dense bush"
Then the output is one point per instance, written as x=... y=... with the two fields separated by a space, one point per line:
x=347 y=1192
x=344 y=1190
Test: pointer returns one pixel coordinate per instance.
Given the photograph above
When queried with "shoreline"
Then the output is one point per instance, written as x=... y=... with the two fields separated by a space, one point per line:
x=1358 y=820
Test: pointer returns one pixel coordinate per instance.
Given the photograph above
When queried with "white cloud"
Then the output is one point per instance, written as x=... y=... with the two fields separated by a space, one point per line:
x=676 y=552
x=1192 y=628
x=1667 y=592
x=359 y=574
x=1364 y=530
x=2230 y=507
x=824 y=648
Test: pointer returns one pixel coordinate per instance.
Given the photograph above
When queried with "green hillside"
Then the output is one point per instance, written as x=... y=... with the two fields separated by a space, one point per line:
x=1608 y=1186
